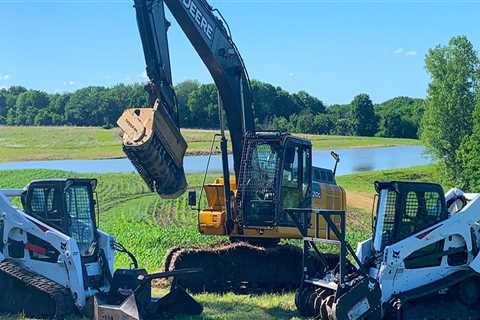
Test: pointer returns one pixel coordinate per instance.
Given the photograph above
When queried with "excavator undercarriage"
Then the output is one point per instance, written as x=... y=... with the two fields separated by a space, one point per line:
x=240 y=268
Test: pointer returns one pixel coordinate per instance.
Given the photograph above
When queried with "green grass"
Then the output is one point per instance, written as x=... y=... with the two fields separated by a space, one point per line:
x=363 y=182
x=243 y=307
x=149 y=226
x=47 y=143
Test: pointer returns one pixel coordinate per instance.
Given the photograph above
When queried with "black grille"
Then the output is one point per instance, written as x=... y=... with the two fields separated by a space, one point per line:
x=389 y=222
x=258 y=181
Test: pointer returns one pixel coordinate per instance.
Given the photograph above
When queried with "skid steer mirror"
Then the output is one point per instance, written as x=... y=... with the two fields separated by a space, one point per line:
x=192 y=198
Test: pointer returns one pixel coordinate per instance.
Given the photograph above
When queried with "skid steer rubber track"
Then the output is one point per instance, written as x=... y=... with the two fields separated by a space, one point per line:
x=238 y=267
x=22 y=291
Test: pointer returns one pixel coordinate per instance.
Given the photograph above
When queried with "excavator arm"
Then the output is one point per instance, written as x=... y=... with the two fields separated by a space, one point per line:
x=151 y=136
x=211 y=38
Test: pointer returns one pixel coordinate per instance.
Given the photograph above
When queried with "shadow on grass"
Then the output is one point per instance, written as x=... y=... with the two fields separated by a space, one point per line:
x=215 y=310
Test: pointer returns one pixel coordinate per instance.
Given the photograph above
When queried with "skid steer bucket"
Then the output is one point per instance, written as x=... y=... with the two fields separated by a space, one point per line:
x=131 y=299
x=156 y=148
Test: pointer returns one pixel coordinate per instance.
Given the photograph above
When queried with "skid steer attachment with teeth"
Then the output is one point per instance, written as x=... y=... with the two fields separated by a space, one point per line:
x=156 y=148
x=339 y=293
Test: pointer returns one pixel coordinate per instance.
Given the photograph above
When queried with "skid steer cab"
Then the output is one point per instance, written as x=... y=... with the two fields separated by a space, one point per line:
x=54 y=260
x=422 y=261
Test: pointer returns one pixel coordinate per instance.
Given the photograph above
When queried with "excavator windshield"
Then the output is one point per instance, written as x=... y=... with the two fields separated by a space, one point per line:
x=275 y=174
x=259 y=182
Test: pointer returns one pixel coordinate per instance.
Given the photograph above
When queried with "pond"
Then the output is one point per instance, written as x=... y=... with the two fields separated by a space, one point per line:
x=352 y=160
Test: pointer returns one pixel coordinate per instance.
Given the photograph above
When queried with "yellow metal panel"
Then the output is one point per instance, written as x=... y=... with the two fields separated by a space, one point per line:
x=212 y=222
x=332 y=197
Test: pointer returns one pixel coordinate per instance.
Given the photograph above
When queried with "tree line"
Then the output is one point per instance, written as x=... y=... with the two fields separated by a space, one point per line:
x=451 y=124
x=275 y=108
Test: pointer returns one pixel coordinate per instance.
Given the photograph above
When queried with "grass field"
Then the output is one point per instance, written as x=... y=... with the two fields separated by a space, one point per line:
x=47 y=143
x=149 y=226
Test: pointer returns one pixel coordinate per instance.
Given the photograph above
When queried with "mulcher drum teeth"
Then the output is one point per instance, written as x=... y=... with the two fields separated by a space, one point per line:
x=238 y=267
x=157 y=168
x=22 y=291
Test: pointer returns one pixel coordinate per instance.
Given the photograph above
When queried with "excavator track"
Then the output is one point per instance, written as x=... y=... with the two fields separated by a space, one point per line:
x=22 y=291
x=238 y=267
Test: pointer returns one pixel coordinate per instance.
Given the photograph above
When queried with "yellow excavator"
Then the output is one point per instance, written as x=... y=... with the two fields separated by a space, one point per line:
x=272 y=171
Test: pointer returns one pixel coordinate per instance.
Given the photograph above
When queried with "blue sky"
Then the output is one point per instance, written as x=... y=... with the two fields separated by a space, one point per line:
x=332 y=49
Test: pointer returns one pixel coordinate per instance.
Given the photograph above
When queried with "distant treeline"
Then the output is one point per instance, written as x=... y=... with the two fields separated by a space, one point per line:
x=275 y=108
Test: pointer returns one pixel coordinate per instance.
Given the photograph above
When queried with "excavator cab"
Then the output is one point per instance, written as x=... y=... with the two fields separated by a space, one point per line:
x=275 y=173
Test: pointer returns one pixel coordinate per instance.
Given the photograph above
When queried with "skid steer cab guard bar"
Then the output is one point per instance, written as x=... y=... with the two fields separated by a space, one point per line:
x=303 y=218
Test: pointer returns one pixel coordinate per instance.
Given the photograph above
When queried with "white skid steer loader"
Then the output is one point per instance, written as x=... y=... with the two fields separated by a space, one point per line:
x=54 y=260
x=422 y=261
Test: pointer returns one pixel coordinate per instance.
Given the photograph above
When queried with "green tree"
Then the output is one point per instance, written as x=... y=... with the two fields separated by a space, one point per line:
x=309 y=103
x=284 y=105
x=203 y=107
x=27 y=106
x=264 y=95
x=3 y=107
x=56 y=107
x=303 y=122
x=281 y=123
x=183 y=90
x=87 y=107
x=323 y=124
x=394 y=124
x=362 y=118
x=400 y=117
x=450 y=102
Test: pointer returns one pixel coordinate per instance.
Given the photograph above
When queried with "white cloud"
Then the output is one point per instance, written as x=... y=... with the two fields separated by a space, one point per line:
x=69 y=83
x=143 y=75
x=411 y=53
x=405 y=52
x=5 y=77
x=291 y=74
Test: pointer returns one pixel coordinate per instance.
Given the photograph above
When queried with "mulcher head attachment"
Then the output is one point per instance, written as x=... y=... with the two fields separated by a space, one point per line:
x=359 y=299
x=155 y=146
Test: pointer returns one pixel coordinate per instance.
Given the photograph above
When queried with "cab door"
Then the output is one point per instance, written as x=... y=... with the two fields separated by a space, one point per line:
x=296 y=180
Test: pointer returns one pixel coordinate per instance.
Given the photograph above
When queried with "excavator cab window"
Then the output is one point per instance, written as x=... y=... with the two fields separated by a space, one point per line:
x=296 y=180
x=259 y=182
x=276 y=175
